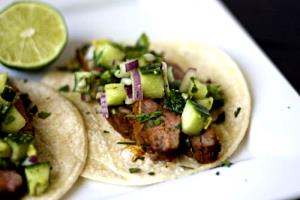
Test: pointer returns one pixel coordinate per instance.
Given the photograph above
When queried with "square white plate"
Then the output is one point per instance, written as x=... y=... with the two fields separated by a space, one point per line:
x=267 y=163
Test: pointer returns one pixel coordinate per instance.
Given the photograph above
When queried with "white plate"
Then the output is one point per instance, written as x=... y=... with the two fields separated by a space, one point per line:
x=267 y=164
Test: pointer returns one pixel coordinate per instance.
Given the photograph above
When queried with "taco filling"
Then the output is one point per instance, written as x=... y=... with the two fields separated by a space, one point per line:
x=20 y=168
x=150 y=101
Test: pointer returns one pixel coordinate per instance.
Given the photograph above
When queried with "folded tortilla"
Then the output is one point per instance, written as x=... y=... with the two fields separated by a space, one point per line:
x=110 y=162
x=60 y=138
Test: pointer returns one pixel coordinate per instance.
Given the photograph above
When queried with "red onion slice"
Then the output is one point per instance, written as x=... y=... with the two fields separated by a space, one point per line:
x=137 y=86
x=131 y=65
x=30 y=160
x=129 y=91
x=104 y=107
x=184 y=86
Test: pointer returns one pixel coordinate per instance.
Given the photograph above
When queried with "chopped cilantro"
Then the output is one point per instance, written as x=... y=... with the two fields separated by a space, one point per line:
x=151 y=173
x=237 y=112
x=134 y=170
x=143 y=117
x=226 y=163
x=64 y=88
x=43 y=115
x=186 y=167
x=127 y=143
x=175 y=102
x=152 y=69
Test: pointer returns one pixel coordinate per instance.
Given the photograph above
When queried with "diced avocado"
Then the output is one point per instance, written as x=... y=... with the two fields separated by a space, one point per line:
x=152 y=85
x=99 y=43
x=192 y=121
x=83 y=82
x=197 y=89
x=13 y=121
x=38 y=178
x=19 y=145
x=106 y=54
x=31 y=151
x=142 y=61
x=206 y=102
x=5 y=150
x=3 y=80
x=115 y=94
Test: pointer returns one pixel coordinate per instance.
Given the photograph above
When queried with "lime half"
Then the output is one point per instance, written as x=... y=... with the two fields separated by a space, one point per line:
x=32 y=35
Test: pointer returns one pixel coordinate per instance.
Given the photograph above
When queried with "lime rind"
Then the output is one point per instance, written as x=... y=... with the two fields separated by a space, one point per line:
x=21 y=51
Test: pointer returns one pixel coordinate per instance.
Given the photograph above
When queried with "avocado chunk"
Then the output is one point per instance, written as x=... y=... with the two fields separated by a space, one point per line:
x=5 y=150
x=3 y=80
x=193 y=118
x=197 y=89
x=115 y=94
x=83 y=82
x=19 y=144
x=152 y=85
x=38 y=178
x=106 y=55
x=13 y=121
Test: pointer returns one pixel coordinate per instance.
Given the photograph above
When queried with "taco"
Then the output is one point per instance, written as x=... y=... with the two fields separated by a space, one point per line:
x=156 y=112
x=43 y=144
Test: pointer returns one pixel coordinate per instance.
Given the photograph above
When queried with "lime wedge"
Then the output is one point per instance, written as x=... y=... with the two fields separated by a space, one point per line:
x=32 y=35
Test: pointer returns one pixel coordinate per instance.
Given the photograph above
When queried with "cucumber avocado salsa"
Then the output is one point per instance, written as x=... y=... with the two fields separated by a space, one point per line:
x=156 y=108
x=140 y=76
x=18 y=156
x=25 y=160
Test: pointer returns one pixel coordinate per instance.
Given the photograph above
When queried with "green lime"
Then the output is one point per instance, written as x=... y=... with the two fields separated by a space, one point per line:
x=32 y=35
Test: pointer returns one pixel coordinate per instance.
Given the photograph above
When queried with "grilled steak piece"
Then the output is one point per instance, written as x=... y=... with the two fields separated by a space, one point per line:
x=10 y=181
x=121 y=123
x=161 y=138
x=206 y=147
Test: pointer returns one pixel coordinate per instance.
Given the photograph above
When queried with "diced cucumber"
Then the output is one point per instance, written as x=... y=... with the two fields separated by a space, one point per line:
x=31 y=151
x=13 y=121
x=121 y=72
x=5 y=150
x=4 y=107
x=3 y=80
x=206 y=102
x=107 y=54
x=207 y=122
x=115 y=94
x=83 y=82
x=38 y=178
x=191 y=119
x=152 y=85
x=197 y=89
x=19 y=145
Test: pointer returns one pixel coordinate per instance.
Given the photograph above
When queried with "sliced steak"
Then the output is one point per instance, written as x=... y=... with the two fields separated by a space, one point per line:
x=10 y=181
x=160 y=138
x=121 y=123
x=206 y=147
